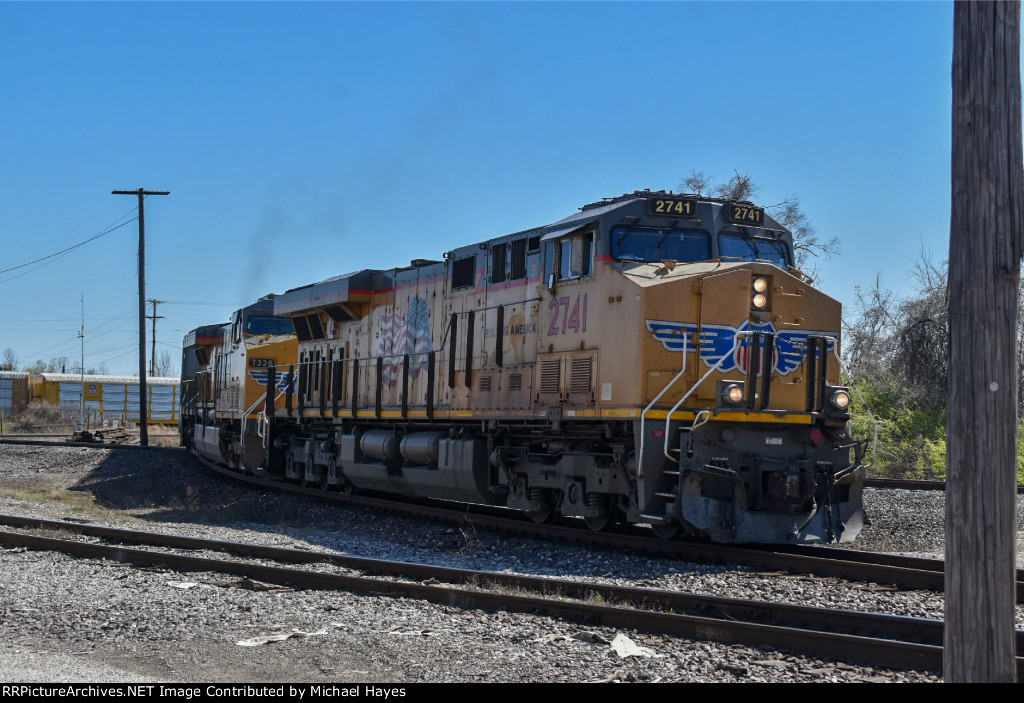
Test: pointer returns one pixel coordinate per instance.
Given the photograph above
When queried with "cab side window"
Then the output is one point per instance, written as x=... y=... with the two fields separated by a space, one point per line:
x=575 y=256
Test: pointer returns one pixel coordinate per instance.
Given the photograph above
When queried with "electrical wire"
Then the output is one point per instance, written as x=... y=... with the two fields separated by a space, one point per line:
x=65 y=251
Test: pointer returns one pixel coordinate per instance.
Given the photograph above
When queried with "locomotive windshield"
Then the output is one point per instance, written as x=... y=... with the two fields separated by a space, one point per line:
x=639 y=244
x=747 y=248
x=265 y=324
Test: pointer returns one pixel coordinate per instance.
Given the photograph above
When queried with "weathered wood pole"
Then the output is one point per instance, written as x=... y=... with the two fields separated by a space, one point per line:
x=985 y=246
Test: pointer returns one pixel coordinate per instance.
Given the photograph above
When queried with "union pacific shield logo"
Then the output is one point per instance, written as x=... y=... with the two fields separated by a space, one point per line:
x=280 y=378
x=717 y=341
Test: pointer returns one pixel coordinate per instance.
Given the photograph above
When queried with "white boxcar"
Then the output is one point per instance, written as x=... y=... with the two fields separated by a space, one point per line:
x=115 y=399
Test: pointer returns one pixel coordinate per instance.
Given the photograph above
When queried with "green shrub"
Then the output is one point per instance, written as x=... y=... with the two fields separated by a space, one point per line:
x=912 y=438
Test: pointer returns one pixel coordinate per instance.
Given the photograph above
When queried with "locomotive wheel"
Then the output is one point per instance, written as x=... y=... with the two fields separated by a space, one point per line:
x=324 y=483
x=542 y=516
x=602 y=523
x=669 y=530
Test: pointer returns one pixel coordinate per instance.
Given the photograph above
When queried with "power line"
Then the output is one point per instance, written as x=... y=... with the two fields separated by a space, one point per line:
x=64 y=319
x=106 y=328
x=65 y=251
x=234 y=306
x=73 y=233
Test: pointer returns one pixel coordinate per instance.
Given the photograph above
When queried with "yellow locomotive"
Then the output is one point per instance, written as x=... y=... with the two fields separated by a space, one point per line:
x=224 y=398
x=653 y=358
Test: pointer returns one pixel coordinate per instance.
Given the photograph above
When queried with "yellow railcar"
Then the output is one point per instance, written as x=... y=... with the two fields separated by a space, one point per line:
x=114 y=400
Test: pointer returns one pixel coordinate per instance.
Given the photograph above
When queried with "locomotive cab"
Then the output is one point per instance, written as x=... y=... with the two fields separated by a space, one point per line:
x=724 y=352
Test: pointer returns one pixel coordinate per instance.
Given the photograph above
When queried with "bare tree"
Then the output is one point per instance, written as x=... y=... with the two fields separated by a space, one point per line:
x=806 y=243
x=697 y=182
x=58 y=364
x=739 y=187
x=788 y=213
x=921 y=343
x=868 y=334
x=8 y=360
x=164 y=365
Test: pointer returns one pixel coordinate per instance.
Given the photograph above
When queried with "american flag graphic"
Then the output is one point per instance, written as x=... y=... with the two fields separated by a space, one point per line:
x=405 y=334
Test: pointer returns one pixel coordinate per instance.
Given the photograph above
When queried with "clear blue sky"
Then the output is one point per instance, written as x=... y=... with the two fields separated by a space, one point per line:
x=300 y=141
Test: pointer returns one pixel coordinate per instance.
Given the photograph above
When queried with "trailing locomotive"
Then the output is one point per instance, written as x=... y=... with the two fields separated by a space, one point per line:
x=224 y=384
x=653 y=358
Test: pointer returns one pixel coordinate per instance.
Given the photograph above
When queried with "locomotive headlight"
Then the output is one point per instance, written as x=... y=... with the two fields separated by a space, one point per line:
x=840 y=399
x=760 y=284
x=760 y=300
x=733 y=394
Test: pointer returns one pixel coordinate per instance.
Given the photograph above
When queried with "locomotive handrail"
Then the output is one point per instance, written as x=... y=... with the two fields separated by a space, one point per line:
x=262 y=399
x=364 y=358
x=643 y=413
x=668 y=417
x=499 y=305
x=337 y=389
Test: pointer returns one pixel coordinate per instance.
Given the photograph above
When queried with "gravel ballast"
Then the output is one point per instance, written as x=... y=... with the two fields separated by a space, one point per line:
x=82 y=620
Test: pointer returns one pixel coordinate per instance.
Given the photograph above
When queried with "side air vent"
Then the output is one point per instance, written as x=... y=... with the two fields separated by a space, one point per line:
x=515 y=382
x=485 y=383
x=550 y=372
x=580 y=374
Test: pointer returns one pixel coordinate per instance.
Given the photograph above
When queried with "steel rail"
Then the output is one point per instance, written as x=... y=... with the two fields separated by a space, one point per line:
x=840 y=646
x=855 y=565
x=913 y=629
x=903 y=572
x=85 y=445
x=914 y=484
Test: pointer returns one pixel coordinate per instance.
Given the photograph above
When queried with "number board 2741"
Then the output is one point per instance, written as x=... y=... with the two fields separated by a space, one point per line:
x=672 y=207
x=744 y=215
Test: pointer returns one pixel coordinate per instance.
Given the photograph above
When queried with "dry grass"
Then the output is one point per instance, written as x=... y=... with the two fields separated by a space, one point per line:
x=44 y=418
x=46 y=492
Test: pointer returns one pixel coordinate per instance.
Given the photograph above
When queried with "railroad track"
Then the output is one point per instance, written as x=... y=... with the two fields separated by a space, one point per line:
x=872 y=638
x=914 y=484
x=848 y=564
x=62 y=441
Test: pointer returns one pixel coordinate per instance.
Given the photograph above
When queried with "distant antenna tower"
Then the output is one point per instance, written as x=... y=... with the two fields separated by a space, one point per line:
x=81 y=336
x=154 y=317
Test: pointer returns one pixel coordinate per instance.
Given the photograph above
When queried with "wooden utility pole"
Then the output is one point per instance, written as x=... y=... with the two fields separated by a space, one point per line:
x=143 y=395
x=154 y=317
x=985 y=247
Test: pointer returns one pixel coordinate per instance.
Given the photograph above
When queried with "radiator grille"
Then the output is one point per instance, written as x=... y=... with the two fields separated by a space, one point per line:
x=550 y=372
x=580 y=374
